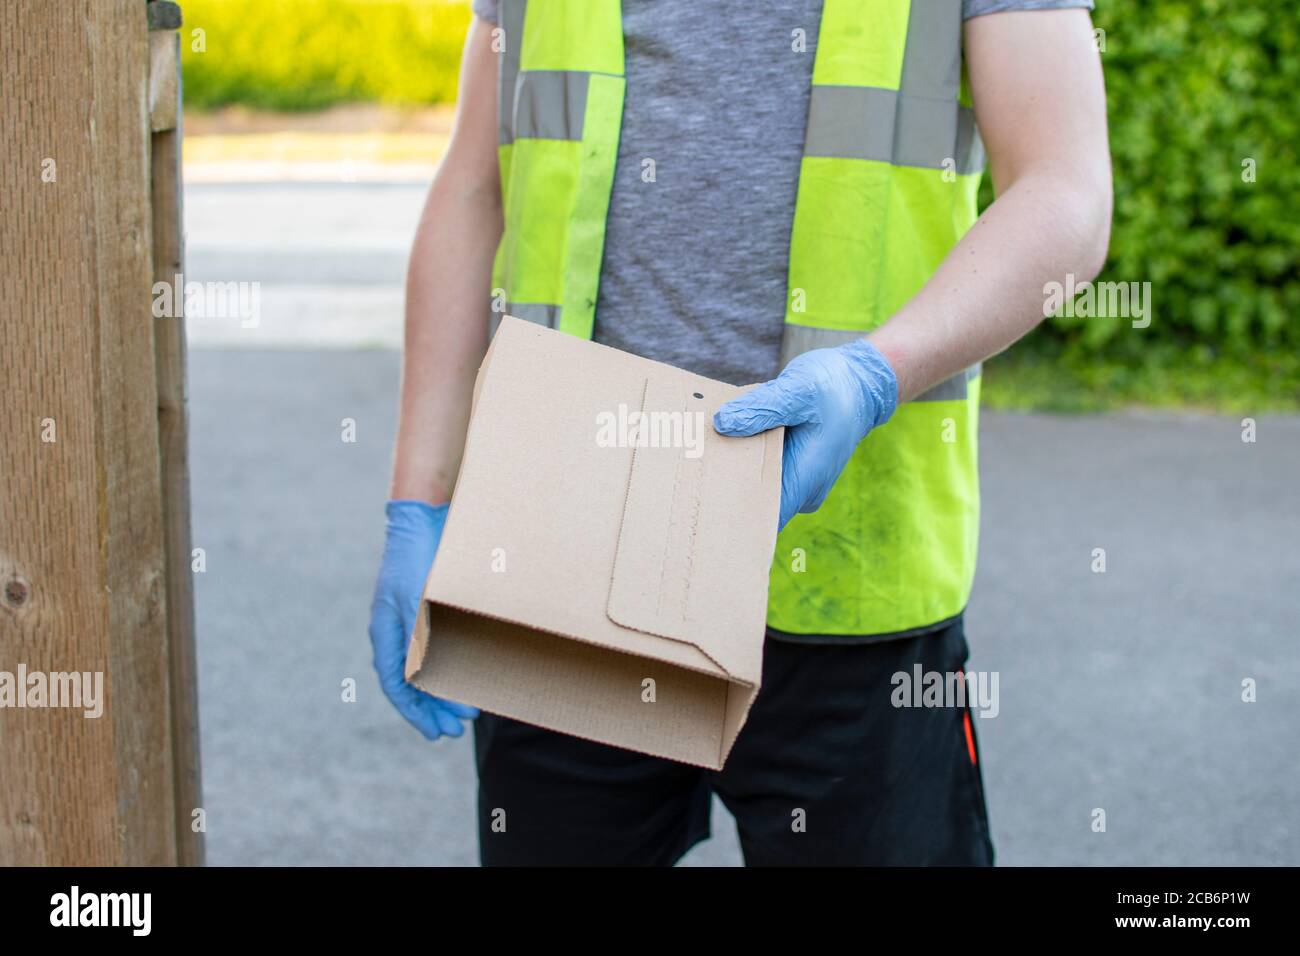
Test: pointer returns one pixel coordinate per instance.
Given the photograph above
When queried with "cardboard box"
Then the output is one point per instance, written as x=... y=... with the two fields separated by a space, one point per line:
x=603 y=571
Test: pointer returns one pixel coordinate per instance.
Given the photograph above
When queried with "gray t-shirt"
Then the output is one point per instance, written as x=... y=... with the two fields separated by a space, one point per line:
x=694 y=270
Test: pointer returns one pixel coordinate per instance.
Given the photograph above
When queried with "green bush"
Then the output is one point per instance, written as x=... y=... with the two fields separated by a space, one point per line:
x=1195 y=88
x=307 y=54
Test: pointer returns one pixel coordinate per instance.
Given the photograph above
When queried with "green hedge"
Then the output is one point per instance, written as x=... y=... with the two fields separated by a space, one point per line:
x=307 y=54
x=1194 y=88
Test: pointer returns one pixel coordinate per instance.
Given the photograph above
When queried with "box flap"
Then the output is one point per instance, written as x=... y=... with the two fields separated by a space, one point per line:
x=684 y=522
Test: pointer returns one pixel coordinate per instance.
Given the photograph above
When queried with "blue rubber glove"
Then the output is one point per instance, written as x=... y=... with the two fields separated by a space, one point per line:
x=414 y=530
x=828 y=400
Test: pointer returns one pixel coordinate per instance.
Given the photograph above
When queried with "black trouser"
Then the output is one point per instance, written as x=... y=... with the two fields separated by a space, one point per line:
x=827 y=771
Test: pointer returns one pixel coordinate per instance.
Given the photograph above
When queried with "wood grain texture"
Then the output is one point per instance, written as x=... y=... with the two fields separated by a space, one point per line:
x=164 y=80
x=81 y=516
x=173 y=434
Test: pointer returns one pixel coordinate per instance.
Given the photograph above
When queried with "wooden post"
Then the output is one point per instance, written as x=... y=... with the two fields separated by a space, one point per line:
x=173 y=419
x=85 y=568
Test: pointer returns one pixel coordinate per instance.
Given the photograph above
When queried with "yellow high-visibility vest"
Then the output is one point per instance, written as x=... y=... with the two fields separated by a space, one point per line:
x=887 y=185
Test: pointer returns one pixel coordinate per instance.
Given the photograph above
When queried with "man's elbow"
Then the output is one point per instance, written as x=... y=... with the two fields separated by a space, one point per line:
x=1092 y=206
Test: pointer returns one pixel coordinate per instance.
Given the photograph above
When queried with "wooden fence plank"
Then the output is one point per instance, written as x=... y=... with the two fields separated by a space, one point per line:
x=173 y=430
x=81 y=530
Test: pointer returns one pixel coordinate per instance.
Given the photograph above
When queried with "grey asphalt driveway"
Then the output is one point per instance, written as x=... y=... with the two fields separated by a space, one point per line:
x=1119 y=691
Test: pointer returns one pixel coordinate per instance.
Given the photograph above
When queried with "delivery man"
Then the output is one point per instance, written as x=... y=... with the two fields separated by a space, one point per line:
x=780 y=193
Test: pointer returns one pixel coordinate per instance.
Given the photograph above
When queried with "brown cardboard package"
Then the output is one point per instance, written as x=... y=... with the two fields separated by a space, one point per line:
x=603 y=571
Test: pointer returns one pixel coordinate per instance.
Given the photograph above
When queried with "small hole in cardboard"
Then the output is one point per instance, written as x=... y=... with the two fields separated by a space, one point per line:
x=698 y=395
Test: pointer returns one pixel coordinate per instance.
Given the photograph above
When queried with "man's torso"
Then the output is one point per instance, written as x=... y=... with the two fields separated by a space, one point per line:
x=697 y=236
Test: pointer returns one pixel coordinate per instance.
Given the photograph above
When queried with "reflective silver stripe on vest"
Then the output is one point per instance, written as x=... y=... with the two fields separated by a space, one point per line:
x=932 y=72
x=510 y=18
x=921 y=123
x=535 y=312
x=932 y=55
x=970 y=148
x=797 y=339
x=550 y=104
x=863 y=122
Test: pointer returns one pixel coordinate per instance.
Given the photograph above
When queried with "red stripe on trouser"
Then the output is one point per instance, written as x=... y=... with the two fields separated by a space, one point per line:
x=966 y=725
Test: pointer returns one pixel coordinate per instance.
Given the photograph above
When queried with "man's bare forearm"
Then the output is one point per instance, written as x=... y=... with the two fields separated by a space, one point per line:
x=1041 y=106
x=448 y=287
x=989 y=291
x=447 y=291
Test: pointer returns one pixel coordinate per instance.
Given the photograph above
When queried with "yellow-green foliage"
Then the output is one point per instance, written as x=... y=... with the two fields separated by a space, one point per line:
x=305 y=54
